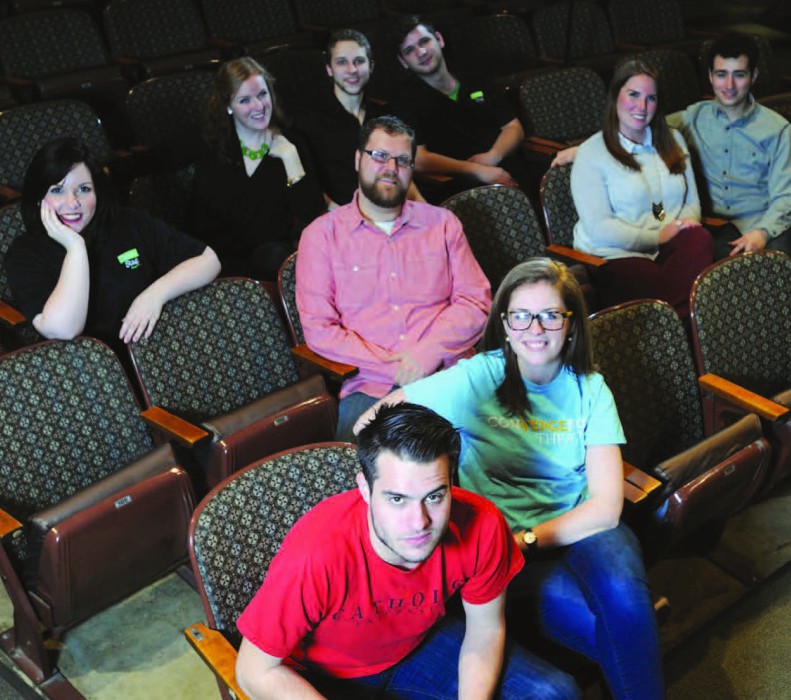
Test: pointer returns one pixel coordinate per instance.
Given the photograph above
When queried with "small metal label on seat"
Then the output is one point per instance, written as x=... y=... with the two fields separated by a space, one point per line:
x=125 y=501
x=730 y=469
x=280 y=420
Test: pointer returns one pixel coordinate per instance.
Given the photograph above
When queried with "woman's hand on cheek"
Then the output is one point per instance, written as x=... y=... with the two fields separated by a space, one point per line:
x=57 y=230
x=142 y=316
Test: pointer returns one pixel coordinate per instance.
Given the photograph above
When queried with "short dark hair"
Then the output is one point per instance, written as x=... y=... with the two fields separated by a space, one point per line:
x=404 y=25
x=577 y=353
x=410 y=432
x=348 y=35
x=390 y=125
x=733 y=45
x=50 y=165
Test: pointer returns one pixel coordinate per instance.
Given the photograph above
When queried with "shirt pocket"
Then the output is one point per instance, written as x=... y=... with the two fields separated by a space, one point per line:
x=425 y=279
x=750 y=163
x=355 y=284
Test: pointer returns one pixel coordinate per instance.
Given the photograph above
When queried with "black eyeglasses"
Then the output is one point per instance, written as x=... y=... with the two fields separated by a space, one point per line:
x=383 y=157
x=548 y=320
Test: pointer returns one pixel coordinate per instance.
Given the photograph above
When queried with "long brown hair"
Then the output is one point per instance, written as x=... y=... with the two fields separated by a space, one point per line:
x=218 y=128
x=666 y=146
x=577 y=352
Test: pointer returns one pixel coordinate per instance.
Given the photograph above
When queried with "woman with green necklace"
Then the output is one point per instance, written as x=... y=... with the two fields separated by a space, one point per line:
x=255 y=190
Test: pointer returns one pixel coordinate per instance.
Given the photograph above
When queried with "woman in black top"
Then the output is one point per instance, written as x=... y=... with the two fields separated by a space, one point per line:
x=255 y=191
x=85 y=266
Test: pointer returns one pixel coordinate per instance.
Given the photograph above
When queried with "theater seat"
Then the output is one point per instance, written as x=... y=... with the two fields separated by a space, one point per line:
x=247 y=516
x=91 y=509
x=219 y=360
x=642 y=351
x=503 y=230
x=741 y=327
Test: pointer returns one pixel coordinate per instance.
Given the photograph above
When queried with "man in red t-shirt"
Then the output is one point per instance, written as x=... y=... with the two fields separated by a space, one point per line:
x=354 y=601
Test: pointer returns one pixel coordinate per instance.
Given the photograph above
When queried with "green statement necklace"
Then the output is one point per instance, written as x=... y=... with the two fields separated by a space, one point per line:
x=254 y=155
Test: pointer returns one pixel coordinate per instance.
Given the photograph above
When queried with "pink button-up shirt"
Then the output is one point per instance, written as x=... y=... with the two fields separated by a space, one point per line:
x=364 y=295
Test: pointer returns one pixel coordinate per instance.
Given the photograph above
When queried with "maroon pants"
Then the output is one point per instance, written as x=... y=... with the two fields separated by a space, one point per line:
x=668 y=278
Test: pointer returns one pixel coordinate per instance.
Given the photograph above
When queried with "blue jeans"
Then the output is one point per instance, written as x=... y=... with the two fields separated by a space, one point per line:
x=431 y=672
x=593 y=597
x=350 y=408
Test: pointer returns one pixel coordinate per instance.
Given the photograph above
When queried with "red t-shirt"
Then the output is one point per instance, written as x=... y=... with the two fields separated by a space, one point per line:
x=329 y=601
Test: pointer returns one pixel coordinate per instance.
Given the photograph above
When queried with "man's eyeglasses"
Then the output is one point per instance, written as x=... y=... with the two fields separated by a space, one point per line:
x=383 y=157
x=548 y=320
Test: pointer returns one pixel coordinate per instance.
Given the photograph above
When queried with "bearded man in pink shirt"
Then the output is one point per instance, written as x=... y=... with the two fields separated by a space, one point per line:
x=386 y=284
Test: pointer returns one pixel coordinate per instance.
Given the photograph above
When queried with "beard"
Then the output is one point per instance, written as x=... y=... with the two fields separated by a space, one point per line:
x=374 y=192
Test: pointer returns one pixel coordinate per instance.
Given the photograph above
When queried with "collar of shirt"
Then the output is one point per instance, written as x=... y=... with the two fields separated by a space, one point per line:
x=748 y=113
x=353 y=217
x=647 y=146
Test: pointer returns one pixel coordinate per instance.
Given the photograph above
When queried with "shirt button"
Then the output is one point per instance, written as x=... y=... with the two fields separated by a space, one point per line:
x=395 y=307
x=726 y=150
x=355 y=269
x=401 y=337
x=392 y=275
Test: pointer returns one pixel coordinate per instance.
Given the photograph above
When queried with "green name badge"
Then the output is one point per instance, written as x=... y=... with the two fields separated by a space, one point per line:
x=130 y=259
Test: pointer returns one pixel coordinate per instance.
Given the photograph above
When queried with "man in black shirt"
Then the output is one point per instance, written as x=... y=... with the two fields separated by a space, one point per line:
x=465 y=129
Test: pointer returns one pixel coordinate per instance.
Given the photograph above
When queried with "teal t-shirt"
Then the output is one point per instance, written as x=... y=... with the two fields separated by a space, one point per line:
x=533 y=469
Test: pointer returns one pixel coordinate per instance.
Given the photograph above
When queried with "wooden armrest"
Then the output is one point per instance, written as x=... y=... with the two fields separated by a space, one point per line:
x=173 y=426
x=10 y=315
x=336 y=370
x=576 y=256
x=638 y=478
x=744 y=398
x=217 y=653
x=9 y=194
x=535 y=144
x=8 y=524
x=632 y=494
x=713 y=221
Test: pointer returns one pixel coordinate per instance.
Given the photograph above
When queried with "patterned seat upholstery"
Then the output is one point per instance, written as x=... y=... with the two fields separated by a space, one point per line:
x=560 y=214
x=61 y=53
x=161 y=37
x=23 y=130
x=169 y=196
x=13 y=334
x=301 y=78
x=501 y=44
x=287 y=287
x=566 y=105
x=646 y=21
x=501 y=227
x=256 y=24
x=642 y=351
x=101 y=510
x=238 y=529
x=165 y=115
x=336 y=13
x=219 y=357
x=741 y=324
x=590 y=33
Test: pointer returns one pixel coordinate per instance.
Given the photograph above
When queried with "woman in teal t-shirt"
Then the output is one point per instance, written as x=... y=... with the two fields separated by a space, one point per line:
x=540 y=437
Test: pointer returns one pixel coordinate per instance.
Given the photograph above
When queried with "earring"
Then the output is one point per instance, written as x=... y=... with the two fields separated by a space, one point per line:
x=230 y=111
